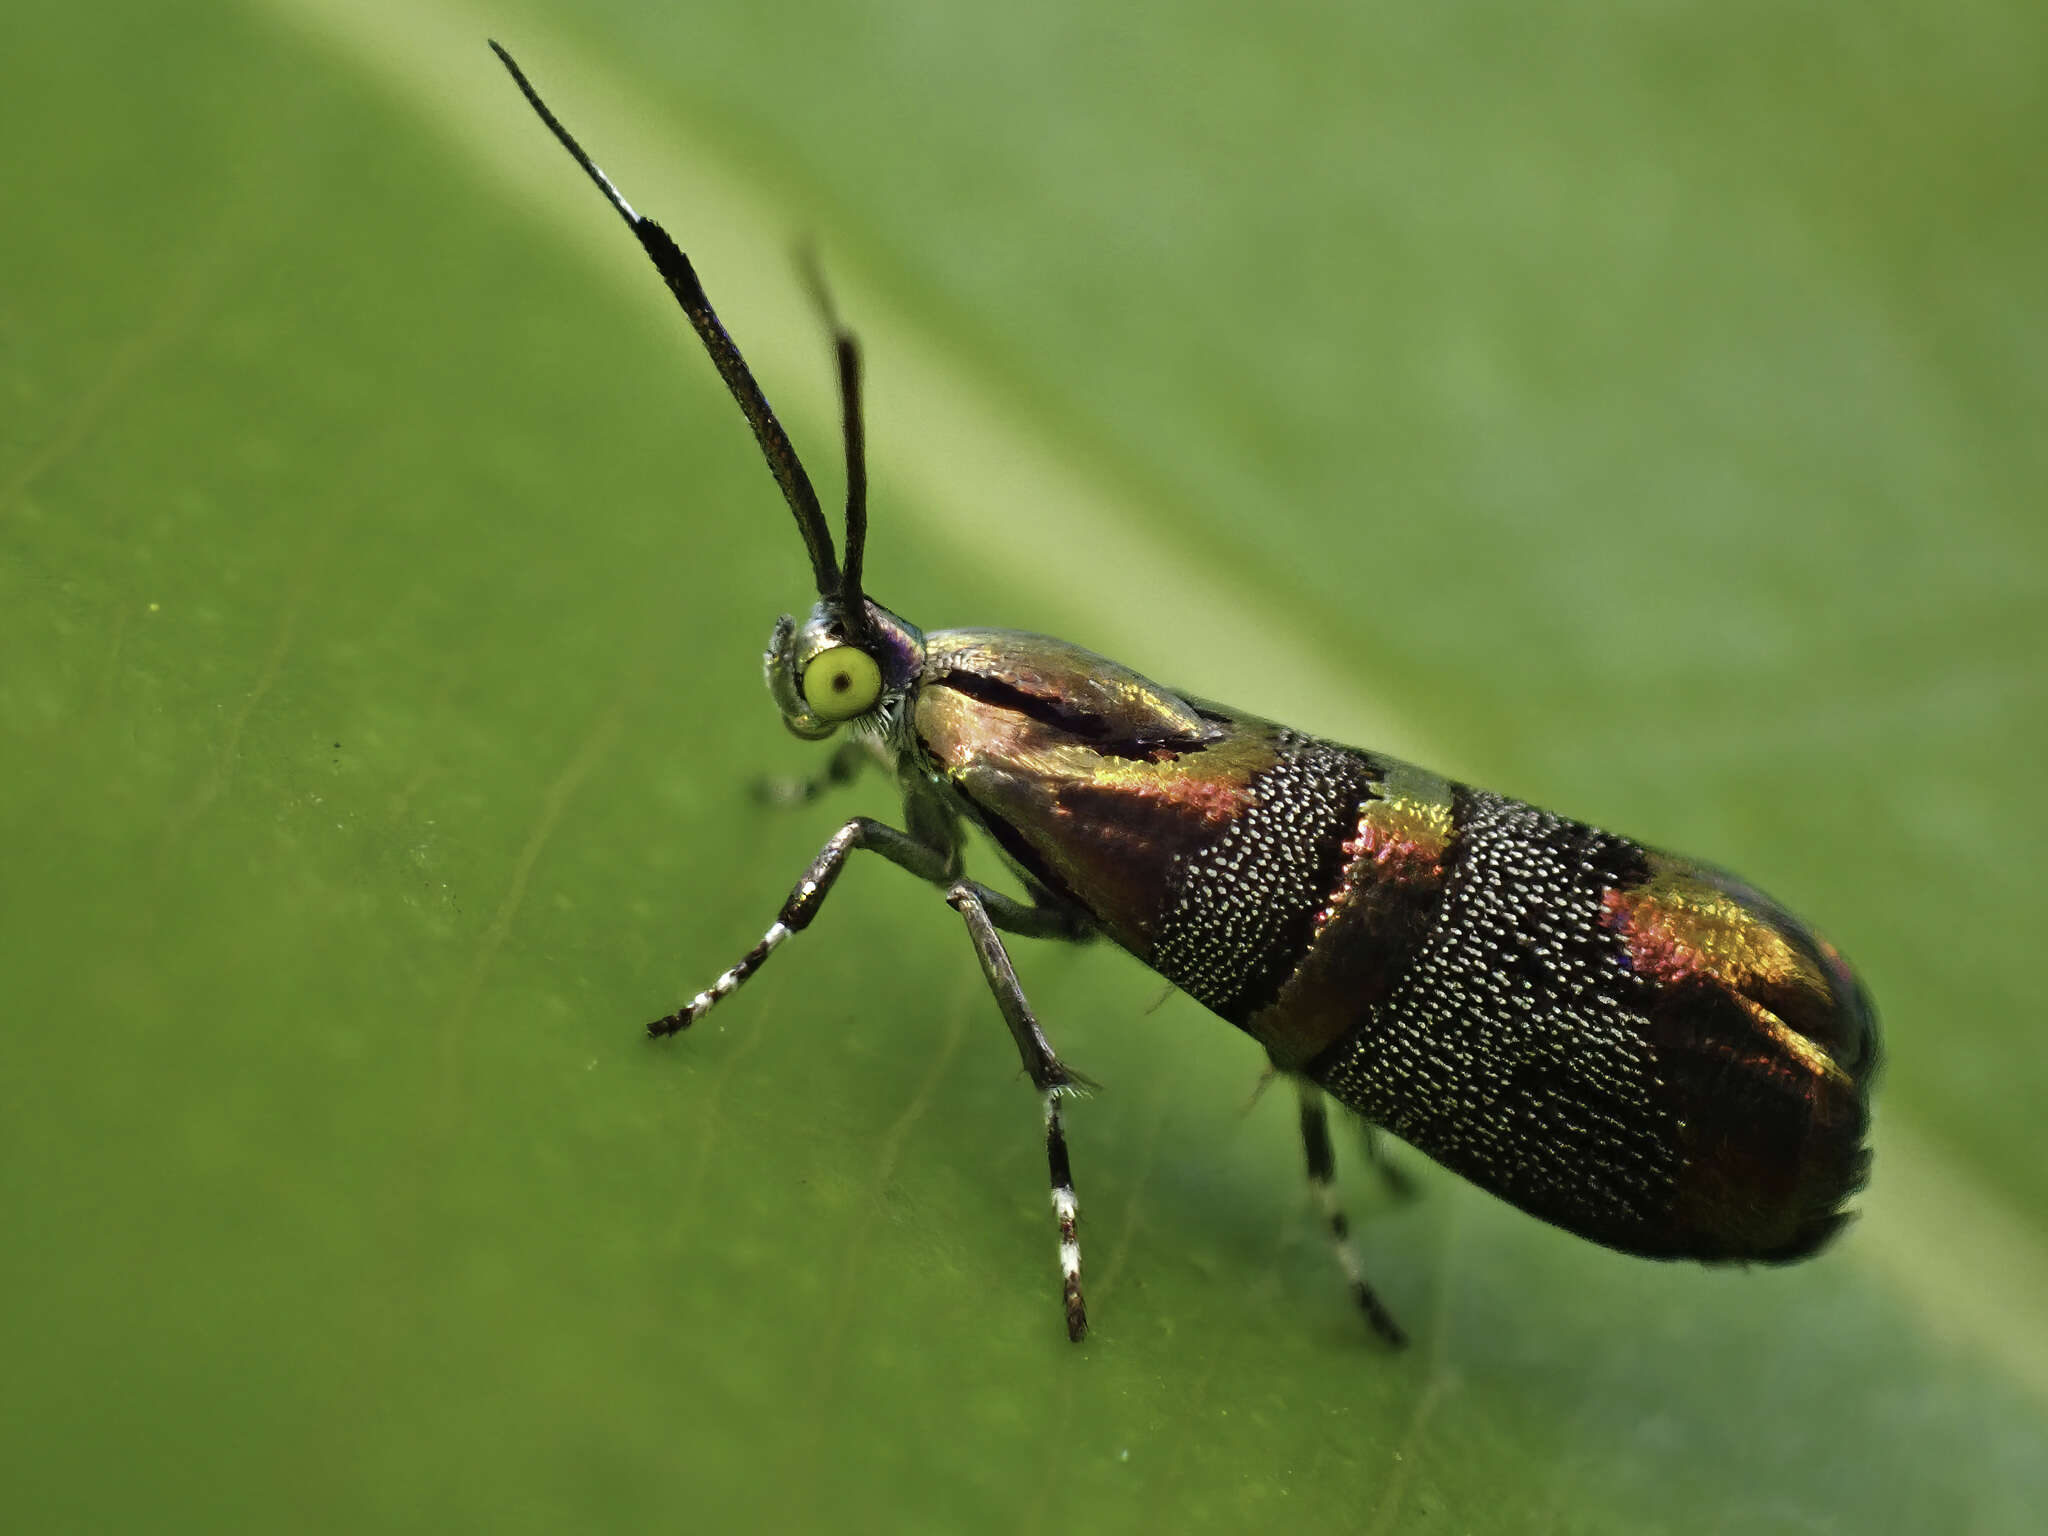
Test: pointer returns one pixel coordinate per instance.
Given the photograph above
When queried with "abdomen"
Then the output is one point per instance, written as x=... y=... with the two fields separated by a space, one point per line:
x=1635 y=1047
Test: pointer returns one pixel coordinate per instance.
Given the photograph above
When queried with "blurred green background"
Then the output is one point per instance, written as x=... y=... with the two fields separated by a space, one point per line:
x=1636 y=408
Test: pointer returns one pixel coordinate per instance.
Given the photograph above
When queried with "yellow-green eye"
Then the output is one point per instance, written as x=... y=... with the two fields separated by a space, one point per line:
x=842 y=682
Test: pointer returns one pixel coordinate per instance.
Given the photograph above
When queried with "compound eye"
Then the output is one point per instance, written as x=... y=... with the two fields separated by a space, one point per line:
x=842 y=682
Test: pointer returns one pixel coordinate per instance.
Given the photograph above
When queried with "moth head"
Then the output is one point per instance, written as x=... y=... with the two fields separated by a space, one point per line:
x=823 y=677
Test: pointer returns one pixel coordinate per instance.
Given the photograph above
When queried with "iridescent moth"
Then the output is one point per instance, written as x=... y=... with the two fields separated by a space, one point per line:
x=1634 y=1046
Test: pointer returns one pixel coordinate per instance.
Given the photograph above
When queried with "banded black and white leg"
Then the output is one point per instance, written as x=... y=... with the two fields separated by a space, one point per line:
x=1322 y=1174
x=922 y=859
x=984 y=911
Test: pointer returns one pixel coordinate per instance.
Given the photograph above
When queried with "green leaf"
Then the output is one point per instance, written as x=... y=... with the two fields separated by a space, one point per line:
x=1635 y=410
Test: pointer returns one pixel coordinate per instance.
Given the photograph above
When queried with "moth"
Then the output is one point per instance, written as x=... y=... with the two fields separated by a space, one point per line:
x=1635 y=1046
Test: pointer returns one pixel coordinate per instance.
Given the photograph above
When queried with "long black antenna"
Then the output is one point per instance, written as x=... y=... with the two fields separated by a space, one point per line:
x=846 y=351
x=681 y=277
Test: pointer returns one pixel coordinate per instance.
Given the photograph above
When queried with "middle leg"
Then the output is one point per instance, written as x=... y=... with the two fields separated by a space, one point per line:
x=1049 y=1075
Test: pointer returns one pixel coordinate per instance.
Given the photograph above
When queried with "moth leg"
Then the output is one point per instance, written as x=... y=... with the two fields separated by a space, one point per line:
x=1391 y=1173
x=1049 y=1075
x=1032 y=919
x=1322 y=1172
x=843 y=767
x=900 y=848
